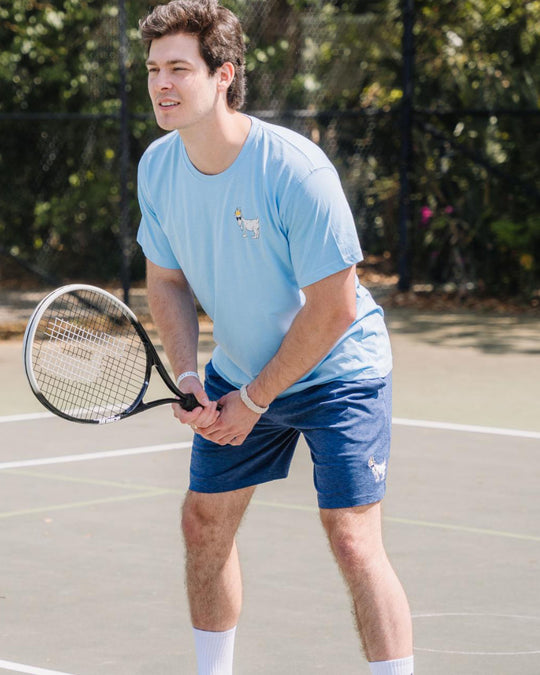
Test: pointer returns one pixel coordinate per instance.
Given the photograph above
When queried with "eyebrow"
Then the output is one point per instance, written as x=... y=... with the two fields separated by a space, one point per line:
x=170 y=62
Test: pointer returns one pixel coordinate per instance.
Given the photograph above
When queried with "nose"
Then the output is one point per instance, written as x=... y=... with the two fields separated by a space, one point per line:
x=161 y=82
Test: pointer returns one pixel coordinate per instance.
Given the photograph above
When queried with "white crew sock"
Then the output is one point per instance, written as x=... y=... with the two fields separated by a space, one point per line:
x=214 y=651
x=397 y=667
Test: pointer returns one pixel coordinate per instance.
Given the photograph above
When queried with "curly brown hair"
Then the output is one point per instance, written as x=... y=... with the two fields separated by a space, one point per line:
x=218 y=30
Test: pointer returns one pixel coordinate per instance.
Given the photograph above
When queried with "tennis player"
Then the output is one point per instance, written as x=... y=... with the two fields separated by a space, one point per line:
x=252 y=220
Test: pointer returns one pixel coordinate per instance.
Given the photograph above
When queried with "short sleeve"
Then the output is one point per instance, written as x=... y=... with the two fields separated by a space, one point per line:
x=151 y=237
x=320 y=227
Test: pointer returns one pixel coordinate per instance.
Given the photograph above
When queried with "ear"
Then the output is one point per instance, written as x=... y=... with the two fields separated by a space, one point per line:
x=226 y=73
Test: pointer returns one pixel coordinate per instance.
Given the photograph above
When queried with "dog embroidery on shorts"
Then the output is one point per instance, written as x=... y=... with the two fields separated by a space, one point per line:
x=378 y=470
x=247 y=225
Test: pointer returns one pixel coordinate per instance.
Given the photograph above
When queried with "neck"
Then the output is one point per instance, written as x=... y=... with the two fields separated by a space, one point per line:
x=213 y=147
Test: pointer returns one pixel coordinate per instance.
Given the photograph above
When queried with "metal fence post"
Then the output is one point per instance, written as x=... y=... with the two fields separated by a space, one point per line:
x=125 y=236
x=406 y=154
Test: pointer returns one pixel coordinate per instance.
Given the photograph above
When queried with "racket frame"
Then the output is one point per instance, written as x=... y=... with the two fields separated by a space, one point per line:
x=187 y=401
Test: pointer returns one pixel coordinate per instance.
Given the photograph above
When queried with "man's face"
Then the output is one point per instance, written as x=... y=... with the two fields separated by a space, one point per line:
x=182 y=91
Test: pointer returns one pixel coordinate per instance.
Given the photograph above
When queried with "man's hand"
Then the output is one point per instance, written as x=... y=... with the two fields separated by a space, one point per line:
x=234 y=423
x=201 y=417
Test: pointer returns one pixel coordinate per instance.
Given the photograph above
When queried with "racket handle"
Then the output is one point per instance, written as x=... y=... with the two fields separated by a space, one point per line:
x=189 y=402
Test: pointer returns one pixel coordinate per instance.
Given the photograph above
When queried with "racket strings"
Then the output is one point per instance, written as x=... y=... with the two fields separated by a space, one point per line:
x=76 y=353
x=88 y=359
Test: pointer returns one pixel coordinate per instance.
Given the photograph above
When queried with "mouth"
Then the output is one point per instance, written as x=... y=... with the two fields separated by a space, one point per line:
x=168 y=104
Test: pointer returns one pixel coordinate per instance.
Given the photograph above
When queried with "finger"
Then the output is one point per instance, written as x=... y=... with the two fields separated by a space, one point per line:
x=187 y=417
x=235 y=440
x=223 y=400
x=202 y=397
x=208 y=416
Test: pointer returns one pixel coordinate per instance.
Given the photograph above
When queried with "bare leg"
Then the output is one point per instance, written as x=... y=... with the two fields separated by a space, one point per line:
x=214 y=584
x=380 y=605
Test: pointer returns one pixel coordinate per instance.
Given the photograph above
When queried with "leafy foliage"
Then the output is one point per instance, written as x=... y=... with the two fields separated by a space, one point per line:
x=330 y=69
x=60 y=208
x=478 y=173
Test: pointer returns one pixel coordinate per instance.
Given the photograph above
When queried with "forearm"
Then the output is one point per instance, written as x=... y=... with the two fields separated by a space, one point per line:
x=175 y=316
x=329 y=310
x=307 y=342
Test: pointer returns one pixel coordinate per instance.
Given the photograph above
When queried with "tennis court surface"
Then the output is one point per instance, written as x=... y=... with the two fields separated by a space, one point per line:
x=91 y=579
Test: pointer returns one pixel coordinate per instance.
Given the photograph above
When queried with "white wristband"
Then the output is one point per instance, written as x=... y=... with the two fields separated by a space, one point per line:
x=188 y=373
x=249 y=403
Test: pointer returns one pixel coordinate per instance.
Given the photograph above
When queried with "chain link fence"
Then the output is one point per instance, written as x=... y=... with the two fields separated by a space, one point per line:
x=60 y=170
x=59 y=157
x=456 y=207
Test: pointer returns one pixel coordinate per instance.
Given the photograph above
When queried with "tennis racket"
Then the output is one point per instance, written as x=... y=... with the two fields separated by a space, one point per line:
x=88 y=359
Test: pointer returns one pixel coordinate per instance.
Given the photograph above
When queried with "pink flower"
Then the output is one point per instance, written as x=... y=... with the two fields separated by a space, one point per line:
x=425 y=215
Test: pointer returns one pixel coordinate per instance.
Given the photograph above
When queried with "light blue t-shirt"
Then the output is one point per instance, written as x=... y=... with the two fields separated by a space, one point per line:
x=249 y=239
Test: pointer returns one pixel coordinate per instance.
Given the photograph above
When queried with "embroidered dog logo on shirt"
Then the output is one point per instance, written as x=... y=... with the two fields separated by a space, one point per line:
x=247 y=225
x=378 y=470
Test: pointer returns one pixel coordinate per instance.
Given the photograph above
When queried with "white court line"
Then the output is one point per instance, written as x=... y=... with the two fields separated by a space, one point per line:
x=28 y=417
x=398 y=421
x=94 y=455
x=21 y=668
x=469 y=428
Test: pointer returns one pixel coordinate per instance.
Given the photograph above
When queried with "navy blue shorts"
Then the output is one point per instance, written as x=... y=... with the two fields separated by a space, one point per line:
x=346 y=426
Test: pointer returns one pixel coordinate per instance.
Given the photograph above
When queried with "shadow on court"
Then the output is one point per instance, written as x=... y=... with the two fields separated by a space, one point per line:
x=489 y=333
x=91 y=578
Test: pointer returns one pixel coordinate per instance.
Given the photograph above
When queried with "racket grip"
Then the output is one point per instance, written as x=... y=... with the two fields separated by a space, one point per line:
x=189 y=402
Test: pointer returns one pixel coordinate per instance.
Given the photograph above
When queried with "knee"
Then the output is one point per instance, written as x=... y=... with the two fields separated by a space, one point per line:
x=350 y=551
x=192 y=525
x=197 y=525
x=355 y=546
x=203 y=526
x=210 y=521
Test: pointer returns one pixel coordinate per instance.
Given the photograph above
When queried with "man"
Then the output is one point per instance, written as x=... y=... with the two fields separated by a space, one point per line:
x=252 y=219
